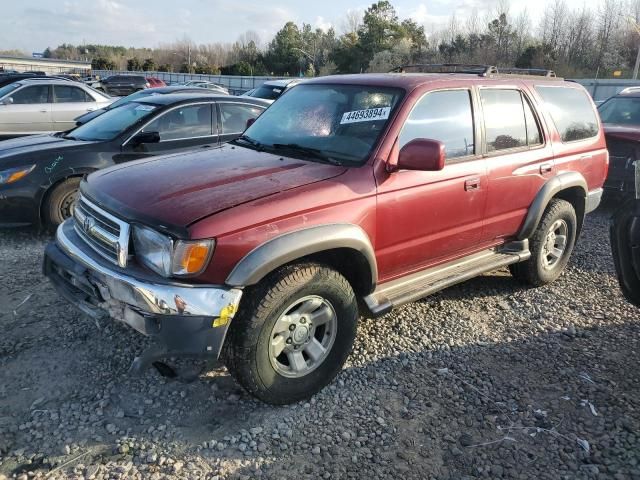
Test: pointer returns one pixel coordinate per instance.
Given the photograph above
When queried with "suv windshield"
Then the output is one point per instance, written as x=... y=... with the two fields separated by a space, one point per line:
x=621 y=111
x=113 y=122
x=336 y=123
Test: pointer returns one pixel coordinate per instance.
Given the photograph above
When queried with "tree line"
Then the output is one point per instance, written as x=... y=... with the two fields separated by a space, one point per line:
x=587 y=41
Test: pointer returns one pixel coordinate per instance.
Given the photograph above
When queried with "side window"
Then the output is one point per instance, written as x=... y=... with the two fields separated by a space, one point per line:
x=180 y=123
x=235 y=115
x=445 y=116
x=571 y=112
x=32 y=94
x=534 y=137
x=504 y=119
x=65 y=94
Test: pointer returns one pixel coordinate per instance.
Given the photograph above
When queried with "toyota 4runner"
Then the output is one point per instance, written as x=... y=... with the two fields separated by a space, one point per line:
x=349 y=196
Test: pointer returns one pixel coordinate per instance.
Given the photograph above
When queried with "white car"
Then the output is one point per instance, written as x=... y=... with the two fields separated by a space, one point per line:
x=272 y=89
x=42 y=105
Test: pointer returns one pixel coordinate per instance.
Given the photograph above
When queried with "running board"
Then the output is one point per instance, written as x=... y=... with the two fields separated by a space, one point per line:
x=423 y=283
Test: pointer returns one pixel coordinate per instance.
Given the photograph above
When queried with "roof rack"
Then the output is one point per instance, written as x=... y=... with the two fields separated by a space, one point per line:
x=472 y=69
x=624 y=91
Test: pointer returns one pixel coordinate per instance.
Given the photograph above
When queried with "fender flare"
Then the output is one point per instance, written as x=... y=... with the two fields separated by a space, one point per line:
x=549 y=190
x=291 y=246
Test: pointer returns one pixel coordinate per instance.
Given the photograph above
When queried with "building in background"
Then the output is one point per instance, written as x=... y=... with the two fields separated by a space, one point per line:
x=47 y=65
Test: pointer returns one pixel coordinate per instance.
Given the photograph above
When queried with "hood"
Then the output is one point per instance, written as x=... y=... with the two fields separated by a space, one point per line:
x=622 y=132
x=36 y=144
x=179 y=190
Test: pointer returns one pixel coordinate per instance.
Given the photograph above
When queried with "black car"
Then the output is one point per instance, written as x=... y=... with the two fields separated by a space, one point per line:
x=122 y=85
x=39 y=175
x=82 y=119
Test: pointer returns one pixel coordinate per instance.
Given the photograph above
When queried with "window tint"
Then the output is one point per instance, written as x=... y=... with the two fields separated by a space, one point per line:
x=33 y=94
x=504 y=122
x=64 y=94
x=445 y=116
x=235 y=116
x=571 y=112
x=186 y=122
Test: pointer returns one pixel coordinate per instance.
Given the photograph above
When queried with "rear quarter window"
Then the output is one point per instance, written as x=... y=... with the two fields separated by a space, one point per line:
x=571 y=112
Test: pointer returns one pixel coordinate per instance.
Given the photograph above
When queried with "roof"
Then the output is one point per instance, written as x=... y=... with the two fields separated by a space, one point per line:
x=629 y=92
x=48 y=81
x=43 y=60
x=172 y=98
x=409 y=81
x=282 y=83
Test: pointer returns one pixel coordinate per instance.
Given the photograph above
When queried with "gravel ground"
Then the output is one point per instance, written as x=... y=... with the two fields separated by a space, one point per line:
x=485 y=380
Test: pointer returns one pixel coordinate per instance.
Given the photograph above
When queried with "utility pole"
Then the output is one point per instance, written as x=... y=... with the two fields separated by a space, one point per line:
x=636 y=26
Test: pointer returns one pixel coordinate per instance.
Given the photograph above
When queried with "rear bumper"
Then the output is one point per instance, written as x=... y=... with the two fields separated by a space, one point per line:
x=184 y=320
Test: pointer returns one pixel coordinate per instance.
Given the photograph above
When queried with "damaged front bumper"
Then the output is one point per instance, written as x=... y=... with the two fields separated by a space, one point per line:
x=185 y=320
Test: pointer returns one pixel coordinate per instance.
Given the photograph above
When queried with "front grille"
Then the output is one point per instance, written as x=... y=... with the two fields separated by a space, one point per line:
x=104 y=233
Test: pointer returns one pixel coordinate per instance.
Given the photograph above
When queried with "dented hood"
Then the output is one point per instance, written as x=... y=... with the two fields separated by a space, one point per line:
x=178 y=190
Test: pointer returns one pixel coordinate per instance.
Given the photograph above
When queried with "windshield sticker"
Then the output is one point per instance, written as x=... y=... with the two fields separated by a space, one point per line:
x=368 y=115
x=145 y=108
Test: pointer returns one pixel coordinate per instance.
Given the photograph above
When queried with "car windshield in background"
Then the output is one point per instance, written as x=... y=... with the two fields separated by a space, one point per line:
x=267 y=92
x=621 y=111
x=111 y=123
x=8 y=89
x=335 y=123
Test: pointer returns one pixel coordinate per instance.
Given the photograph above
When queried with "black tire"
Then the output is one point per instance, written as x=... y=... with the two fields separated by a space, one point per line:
x=58 y=202
x=246 y=352
x=534 y=271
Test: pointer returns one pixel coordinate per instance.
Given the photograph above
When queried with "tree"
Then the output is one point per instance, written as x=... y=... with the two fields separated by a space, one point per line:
x=283 y=55
x=378 y=31
x=134 y=65
x=149 y=65
x=101 y=63
x=165 y=67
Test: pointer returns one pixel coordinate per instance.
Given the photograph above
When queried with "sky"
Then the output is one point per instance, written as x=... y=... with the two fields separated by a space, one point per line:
x=33 y=25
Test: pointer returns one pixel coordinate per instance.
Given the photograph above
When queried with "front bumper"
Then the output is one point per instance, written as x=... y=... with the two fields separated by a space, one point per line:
x=19 y=205
x=185 y=320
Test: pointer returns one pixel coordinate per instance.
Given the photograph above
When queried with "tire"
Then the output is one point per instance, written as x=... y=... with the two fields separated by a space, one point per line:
x=252 y=342
x=543 y=267
x=58 y=205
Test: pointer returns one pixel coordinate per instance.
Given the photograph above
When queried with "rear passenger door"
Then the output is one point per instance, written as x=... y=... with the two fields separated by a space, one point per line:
x=28 y=111
x=519 y=158
x=69 y=102
x=234 y=117
x=426 y=218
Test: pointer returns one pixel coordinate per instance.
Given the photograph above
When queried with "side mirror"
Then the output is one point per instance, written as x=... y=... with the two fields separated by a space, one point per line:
x=250 y=122
x=422 y=154
x=145 y=137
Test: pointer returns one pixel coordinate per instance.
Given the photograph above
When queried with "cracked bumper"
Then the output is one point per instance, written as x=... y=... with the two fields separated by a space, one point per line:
x=185 y=320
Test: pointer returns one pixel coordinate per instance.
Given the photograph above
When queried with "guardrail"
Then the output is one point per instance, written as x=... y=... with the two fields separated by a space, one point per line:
x=236 y=84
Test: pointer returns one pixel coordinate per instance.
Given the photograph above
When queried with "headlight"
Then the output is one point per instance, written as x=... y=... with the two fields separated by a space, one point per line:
x=14 y=174
x=171 y=258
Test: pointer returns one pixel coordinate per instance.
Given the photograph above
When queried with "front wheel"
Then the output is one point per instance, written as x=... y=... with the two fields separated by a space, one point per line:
x=551 y=245
x=59 y=204
x=293 y=333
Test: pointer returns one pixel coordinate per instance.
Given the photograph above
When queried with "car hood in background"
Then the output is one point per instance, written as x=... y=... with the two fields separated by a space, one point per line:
x=178 y=190
x=37 y=143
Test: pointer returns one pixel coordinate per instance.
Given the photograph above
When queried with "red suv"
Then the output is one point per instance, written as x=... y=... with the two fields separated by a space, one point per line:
x=349 y=196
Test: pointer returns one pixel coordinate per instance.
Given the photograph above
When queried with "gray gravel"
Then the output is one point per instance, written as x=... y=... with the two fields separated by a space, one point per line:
x=485 y=380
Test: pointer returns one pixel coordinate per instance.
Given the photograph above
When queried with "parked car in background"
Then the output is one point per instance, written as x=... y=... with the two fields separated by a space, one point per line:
x=155 y=82
x=7 y=78
x=207 y=85
x=621 y=118
x=82 y=119
x=351 y=195
x=272 y=89
x=42 y=105
x=625 y=238
x=123 y=85
x=39 y=175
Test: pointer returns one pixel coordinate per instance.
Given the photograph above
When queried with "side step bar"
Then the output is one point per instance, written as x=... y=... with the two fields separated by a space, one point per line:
x=425 y=282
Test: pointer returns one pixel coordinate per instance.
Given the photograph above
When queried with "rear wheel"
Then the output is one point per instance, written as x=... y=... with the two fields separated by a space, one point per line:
x=293 y=333
x=551 y=245
x=59 y=204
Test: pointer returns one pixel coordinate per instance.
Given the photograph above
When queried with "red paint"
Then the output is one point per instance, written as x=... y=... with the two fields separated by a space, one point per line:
x=414 y=219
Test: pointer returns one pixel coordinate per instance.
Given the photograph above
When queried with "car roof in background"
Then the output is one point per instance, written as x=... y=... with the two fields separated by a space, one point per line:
x=281 y=83
x=177 y=97
x=629 y=92
x=178 y=89
x=49 y=81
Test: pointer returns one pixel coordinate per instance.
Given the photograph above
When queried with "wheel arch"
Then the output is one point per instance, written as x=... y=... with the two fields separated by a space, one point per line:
x=49 y=188
x=344 y=247
x=569 y=186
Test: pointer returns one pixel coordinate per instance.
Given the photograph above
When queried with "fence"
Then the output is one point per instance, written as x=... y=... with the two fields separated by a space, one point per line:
x=602 y=89
x=235 y=83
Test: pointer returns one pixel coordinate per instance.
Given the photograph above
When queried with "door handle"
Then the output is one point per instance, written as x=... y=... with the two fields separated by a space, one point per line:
x=43 y=111
x=472 y=184
x=546 y=168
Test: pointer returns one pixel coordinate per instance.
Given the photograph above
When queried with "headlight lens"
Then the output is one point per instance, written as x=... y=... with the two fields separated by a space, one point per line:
x=14 y=174
x=171 y=258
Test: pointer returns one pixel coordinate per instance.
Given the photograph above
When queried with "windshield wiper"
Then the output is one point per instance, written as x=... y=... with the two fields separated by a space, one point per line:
x=248 y=140
x=311 y=152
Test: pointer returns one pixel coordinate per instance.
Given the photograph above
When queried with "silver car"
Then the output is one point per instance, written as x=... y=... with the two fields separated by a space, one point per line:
x=207 y=85
x=41 y=106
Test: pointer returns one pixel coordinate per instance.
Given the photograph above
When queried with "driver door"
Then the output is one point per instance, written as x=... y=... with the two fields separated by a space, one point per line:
x=181 y=128
x=27 y=111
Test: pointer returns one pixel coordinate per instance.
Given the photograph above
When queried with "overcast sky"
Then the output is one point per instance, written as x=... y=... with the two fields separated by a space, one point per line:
x=33 y=25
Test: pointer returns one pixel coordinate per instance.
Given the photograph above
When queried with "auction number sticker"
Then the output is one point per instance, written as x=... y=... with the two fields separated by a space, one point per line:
x=368 y=115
